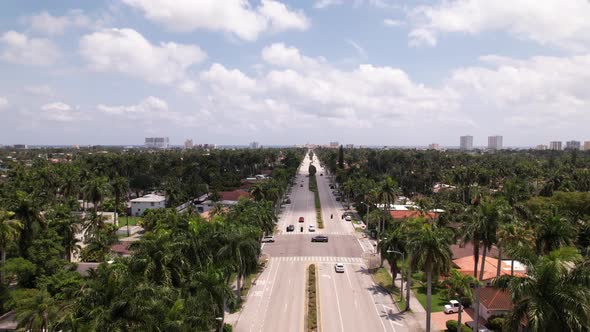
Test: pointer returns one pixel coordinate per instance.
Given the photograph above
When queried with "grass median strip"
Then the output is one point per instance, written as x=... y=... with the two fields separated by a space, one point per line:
x=312 y=303
x=313 y=186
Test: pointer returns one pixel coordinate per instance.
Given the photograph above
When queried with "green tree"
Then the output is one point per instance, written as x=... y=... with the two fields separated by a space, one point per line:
x=386 y=196
x=341 y=157
x=96 y=190
x=119 y=188
x=430 y=247
x=35 y=309
x=9 y=231
x=458 y=287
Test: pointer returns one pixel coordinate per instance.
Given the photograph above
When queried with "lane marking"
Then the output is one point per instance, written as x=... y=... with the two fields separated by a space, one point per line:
x=338 y=304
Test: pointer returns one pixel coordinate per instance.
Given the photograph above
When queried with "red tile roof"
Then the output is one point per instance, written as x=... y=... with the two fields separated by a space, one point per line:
x=405 y=214
x=233 y=195
x=467 y=250
x=495 y=299
x=465 y=266
x=121 y=248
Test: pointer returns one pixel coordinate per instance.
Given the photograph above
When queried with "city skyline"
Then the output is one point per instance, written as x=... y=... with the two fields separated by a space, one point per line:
x=111 y=72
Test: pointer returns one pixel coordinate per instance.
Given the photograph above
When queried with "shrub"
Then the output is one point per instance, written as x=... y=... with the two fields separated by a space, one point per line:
x=227 y=328
x=496 y=323
x=452 y=325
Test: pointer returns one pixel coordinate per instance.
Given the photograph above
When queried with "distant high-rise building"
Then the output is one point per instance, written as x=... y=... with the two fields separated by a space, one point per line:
x=350 y=146
x=466 y=143
x=555 y=145
x=188 y=144
x=433 y=146
x=572 y=145
x=587 y=146
x=495 y=143
x=21 y=146
x=541 y=147
x=334 y=145
x=254 y=145
x=157 y=142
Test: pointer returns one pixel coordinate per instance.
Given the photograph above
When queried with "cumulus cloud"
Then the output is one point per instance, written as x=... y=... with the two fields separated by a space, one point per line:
x=21 y=49
x=320 y=4
x=540 y=90
x=46 y=23
x=237 y=17
x=148 y=107
x=127 y=51
x=60 y=112
x=392 y=23
x=549 y=22
x=278 y=54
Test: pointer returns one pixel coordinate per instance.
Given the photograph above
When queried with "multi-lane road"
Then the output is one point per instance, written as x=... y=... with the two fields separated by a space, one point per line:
x=348 y=301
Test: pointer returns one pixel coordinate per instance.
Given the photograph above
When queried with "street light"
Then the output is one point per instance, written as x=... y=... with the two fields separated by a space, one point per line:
x=401 y=288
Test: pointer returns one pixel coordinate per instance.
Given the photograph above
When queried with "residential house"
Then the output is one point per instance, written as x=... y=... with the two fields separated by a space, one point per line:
x=494 y=302
x=466 y=264
x=227 y=198
x=150 y=201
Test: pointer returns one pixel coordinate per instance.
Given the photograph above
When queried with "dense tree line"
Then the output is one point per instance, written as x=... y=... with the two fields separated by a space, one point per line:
x=180 y=273
x=532 y=206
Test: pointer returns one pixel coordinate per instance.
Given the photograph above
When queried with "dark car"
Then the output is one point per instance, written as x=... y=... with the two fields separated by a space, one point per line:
x=290 y=228
x=319 y=238
x=301 y=185
x=301 y=219
x=321 y=174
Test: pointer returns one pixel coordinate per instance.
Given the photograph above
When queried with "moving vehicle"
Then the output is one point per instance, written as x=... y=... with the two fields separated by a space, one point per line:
x=288 y=201
x=339 y=267
x=268 y=238
x=337 y=199
x=311 y=228
x=321 y=174
x=301 y=185
x=301 y=219
x=290 y=228
x=452 y=307
x=319 y=238
x=348 y=218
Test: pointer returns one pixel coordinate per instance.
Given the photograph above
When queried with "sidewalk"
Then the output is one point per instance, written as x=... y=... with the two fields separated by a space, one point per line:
x=417 y=310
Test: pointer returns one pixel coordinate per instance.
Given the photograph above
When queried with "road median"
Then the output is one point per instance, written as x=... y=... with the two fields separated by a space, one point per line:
x=313 y=186
x=312 y=300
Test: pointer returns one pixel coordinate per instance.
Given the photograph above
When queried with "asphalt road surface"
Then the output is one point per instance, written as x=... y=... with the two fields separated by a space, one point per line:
x=348 y=301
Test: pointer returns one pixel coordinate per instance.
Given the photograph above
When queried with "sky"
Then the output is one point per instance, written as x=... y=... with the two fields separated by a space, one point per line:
x=365 y=72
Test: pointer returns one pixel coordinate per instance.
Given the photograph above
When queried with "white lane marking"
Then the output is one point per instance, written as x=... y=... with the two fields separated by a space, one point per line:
x=326 y=276
x=338 y=305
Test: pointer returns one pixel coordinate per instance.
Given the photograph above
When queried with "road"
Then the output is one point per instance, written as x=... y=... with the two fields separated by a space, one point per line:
x=348 y=301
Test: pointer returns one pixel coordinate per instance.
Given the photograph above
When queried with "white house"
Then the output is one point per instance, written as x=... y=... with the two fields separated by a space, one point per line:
x=150 y=201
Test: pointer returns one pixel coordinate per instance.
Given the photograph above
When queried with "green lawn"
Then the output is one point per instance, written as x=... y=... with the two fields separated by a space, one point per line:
x=419 y=288
x=133 y=221
x=383 y=279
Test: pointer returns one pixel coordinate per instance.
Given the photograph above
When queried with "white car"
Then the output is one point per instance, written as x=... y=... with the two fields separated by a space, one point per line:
x=339 y=267
x=311 y=228
x=348 y=218
x=266 y=239
x=452 y=307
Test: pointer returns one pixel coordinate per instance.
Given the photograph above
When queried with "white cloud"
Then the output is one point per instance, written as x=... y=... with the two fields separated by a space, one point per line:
x=422 y=37
x=126 y=51
x=392 y=23
x=60 y=112
x=237 y=17
x=320 y=4
x=228 y=80
x=39 y=90
x=279 y=54
x=563 y=23
x=541 y=90
x=46 y=23
x=3 y=103
x=151 y=106
x=19 y=48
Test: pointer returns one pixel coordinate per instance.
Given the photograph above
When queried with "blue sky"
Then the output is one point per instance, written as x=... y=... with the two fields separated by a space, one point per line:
x=377 y=72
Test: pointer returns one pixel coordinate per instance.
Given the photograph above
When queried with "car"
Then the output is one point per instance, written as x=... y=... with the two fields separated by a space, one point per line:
x=311 y=228
x=348 y=218
x=452 y=307
x=301 y=219
x=339 y=267
x=268 y=238
x=288 y=201
x=337 y=199
x=319 y=238
x=290 y=228
x=321 y=174
x=301 y=185
x=481 y=328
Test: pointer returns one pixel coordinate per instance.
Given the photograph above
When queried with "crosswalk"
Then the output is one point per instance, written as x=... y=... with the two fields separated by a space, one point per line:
x=318 y=259
x=306 y=232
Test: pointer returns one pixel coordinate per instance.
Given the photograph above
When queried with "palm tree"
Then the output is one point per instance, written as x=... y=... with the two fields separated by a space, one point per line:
x=119 y=188
x=393 y=241
x=553 y=296
x=36 y=311
x=386 y=195
x=511 y=237
x=96 y=190
x=67 y=226
x=431 y=253
x=459 y=287
x=26 y=209
x=9 y=231
x=552 y=233
x=241 y=249
x=257 y=191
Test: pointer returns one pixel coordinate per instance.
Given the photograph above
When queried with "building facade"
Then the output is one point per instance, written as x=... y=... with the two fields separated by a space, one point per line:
x=555 y=145
x=572 y=145
x=466 y=143
x=433 y=146
x=495 y=143
x=334 y=145
x=587 y=146
x=541 y=147
x=188 y=144
x=150 y=201
x=254 y=145
x=157 y=142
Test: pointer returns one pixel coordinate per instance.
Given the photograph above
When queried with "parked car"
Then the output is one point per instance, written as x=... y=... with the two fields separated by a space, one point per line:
x=337 y=199
x=319 y=238
x=268 y=238
x=481 y=328
x=331 y=186
x=348 y=218
x=311 y=228
x=452 y=307
x=339 y=267
x=321 y=174
x=290 y=228
x=288 y=201
x=301 y=219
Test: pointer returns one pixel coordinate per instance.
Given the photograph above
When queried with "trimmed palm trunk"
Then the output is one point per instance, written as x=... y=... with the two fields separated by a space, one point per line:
x=499 y=267
x=477 y=290
x=2 y=269
x=459 y=316
x=428 y=298
x=409 y=282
